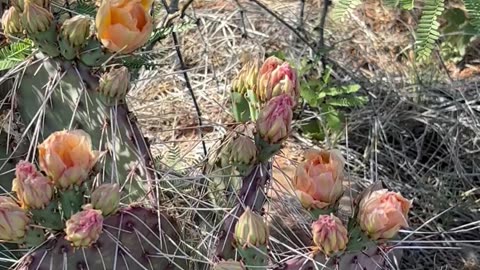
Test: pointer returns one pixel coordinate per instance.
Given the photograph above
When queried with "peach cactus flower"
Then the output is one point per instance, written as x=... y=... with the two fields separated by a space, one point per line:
x=32 y=188
x=329 y=234
x=67 y=157
x=84 y=228
x=382 y=213
x=124 y=25
x=275 y=119
x=318 y=181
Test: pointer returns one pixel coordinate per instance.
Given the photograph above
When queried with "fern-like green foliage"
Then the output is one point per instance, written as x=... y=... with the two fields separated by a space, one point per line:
x=473 y=10
x=14 y=53
x=427 y=31
x=342 y=7
x=86 y=7
x=407 y=4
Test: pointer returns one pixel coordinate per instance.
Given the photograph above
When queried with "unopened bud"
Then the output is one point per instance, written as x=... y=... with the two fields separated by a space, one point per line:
x=115 y=83
x=76 y=30
x=35 y=18
x=244 y=150
x=329 y=234
x=32 y=188
x=275 y=119
x=11 y=22
x=106 y=198
x=84 y=228
x=13 y=220
x=251 y=230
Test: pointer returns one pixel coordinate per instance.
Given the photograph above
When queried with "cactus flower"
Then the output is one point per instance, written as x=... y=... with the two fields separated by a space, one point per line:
x=275 y=78
x=243 y=151
x=13 y=220
x=229 y=265
x=67 y=157
x=382 y=213
x=318 y=181
x=76 y=30
x=84 y=228
x=124 y=25
x=115 y=83
x=247 y=77
x=274 y=121
x=329 y=234
x=106 y=198
x=32 y=188
x=251 y=230
x=11 y=22
x=36 y=19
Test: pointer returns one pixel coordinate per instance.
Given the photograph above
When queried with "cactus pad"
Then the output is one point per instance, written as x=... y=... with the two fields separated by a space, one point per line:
x=134 y=238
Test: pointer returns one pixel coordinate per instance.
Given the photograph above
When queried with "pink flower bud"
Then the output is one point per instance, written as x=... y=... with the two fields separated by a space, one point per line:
x=275 y=119
x=251 y=230
x=67 y=157
x=275 y=78
x=106 y=198
x=318 y=181
x=382 y=213
x=84 y=228
x=32 y=188
x=329 y=234
x=13 y=220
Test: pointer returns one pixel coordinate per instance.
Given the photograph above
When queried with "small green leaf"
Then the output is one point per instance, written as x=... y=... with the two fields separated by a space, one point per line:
x=348 y=101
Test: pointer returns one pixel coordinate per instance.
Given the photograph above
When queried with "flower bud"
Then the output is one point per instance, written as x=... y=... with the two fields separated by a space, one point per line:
x=106 y=198
x=67 y=157
x=251 y=230
x=244 y=150
x=329 y=234
x=76 y=30
x=318 y=181
x=115 y=83
x=382 y=213
x=36 y=19
x=275 y=119
x=275 y=78
x=247 y=77
x=11 y=22
x=84 y=228
x=20 y=4
x=32 y=188
x=13 y=220
x=229 y=265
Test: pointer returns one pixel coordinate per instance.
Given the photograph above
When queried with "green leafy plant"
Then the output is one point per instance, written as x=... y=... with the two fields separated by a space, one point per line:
x=14 y=53
x=329 y=100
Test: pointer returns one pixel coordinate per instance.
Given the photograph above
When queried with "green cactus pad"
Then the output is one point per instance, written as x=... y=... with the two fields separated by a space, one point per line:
x=254 y=257
x=47 y=41
x=55 y=95
x=49 y=217
x=34 y=237
x=71 y=201
x=93 y=55
x=66 y=50
x=134 y=238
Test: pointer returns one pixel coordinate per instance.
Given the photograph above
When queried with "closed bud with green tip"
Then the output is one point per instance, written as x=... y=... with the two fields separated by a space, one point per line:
x=36 y=19
x=84 y=228
x=251 y=230
x=115 y=83
x=20 y=4
x=229 y=265
x=76 y=30
x=11 y=22
x=275 y=119
x=247 y=77
x=106 y=198
x=13 y=220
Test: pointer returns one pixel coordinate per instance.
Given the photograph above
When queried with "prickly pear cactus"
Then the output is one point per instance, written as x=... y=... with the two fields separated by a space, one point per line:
x=134 y=238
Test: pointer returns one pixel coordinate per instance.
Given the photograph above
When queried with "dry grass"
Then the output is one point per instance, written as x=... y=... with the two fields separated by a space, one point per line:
x=420 y=139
